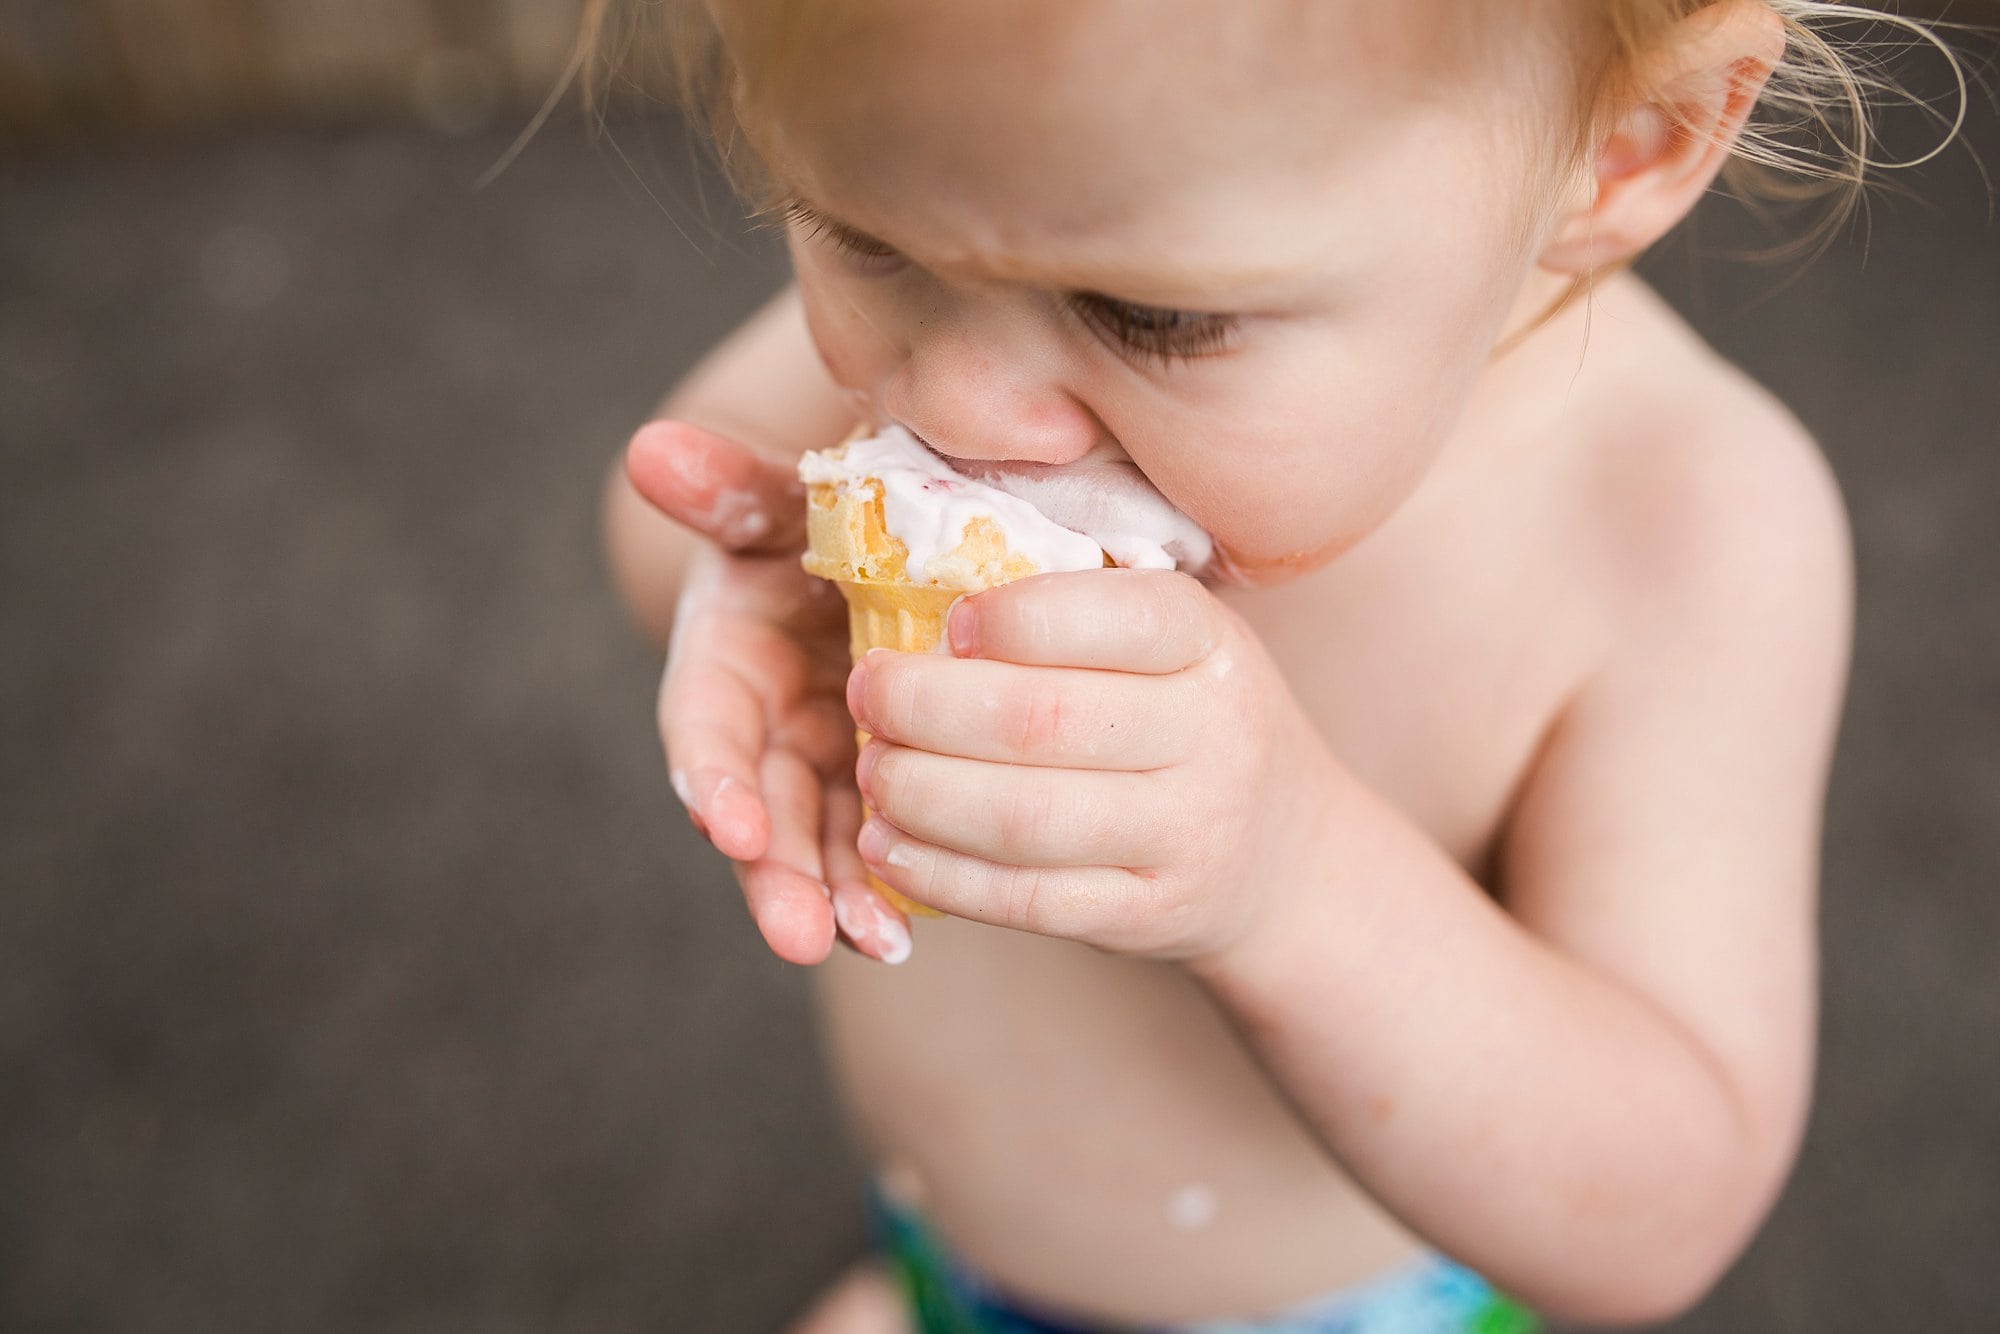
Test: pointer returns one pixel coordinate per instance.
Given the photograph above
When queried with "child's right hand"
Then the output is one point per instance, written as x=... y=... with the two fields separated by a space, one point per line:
x=752 y=705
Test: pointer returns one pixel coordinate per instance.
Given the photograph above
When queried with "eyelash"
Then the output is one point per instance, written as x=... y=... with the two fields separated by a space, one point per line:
x=864 y=250
x=1154 y=332
x=1147 y=332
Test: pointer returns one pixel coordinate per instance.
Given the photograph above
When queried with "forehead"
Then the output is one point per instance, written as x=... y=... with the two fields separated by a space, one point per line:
x=1223 y=44
x=1078 y=75
x=985 y=120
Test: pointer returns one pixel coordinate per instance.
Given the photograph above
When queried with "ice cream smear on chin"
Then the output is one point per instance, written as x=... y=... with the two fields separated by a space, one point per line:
x=1060 y=517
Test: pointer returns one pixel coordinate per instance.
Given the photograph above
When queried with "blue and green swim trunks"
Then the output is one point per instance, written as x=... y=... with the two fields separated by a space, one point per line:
x=1430 y=1296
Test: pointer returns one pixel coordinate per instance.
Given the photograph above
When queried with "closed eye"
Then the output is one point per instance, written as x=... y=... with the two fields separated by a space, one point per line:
x=865 y=250
x=1155 y=331
x=1145 y=332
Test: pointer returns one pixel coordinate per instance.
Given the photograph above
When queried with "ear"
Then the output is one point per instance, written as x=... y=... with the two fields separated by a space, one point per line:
x=1653 y=162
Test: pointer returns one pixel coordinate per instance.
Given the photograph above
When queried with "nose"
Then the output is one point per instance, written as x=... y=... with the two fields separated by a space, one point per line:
x=986 y=384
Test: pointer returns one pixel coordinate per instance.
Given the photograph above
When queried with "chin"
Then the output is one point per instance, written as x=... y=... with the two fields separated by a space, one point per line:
x=1244 y=569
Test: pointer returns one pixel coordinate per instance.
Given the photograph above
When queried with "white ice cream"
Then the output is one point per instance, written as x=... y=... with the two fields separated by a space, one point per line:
x=1061 y=518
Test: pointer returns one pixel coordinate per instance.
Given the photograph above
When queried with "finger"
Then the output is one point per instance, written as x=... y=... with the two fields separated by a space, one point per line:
x=1147 y=621
x=784 y=890
x=1017 y=814
x=1078 y=902
x=713 y=728
x=792 y=795
x=840 y=823
x=790 y=908
x=819 y=731
x=726 y=491
x=867 y=921
x=1067 y=718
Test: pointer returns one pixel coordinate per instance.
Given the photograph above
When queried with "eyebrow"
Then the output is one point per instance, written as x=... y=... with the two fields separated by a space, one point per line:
x=1189 y=284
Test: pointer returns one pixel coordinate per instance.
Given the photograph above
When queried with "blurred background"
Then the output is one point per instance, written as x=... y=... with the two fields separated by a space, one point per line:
x=357 y=969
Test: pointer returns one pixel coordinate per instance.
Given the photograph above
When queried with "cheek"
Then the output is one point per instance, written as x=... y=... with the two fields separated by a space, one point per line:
x=1285 y=482
x=1323 y=449
x=851 y=345
x=1272 y=527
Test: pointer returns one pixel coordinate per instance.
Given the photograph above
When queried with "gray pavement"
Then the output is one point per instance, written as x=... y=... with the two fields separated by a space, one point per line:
x=357 y=971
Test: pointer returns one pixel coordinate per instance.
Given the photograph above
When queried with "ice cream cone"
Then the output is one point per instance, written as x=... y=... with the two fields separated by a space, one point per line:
x=848 y=544
x=973 y=537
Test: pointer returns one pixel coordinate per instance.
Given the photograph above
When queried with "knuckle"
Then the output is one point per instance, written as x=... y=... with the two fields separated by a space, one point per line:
x=887 y=785
x=1027 y=815
x=1019 y=892
x=1048 y=902
x=886 y=697
x=924 y=878
x=1154 y=621
x=1156 y=609
x=1187 y=630
x=1040 y=615
x=906 y=699
x=1057 y=902
x=1189 y=728
x=1041 y=719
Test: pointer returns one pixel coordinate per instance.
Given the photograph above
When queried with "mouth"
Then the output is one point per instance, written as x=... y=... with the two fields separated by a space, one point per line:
x=991 y=472
x=1102 y=462
x=1103 y=494
x=1107 y=454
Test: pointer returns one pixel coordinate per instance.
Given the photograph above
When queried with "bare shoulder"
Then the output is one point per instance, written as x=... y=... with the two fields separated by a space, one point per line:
x=1721 y=514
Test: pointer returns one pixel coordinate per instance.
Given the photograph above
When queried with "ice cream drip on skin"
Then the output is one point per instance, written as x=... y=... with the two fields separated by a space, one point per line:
x=1193 y=1207
x=1060 y=518
x=866 y=922
x=736 y=516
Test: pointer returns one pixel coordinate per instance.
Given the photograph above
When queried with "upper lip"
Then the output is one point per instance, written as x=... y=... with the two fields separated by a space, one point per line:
x=973 y=468
x=917 y=436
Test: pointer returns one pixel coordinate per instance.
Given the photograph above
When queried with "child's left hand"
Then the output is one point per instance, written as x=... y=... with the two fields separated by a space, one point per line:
x=1110 y=756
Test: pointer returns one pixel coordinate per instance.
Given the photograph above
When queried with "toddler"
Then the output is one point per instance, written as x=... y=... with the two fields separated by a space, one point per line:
x=1419 y=907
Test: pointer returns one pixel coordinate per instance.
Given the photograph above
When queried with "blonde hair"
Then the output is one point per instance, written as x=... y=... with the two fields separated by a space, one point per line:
x=1812 y=136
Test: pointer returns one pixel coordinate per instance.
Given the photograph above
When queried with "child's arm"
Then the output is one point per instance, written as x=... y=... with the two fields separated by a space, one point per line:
x=704 y=524
x=1595 y=1094
x=1591 y=1096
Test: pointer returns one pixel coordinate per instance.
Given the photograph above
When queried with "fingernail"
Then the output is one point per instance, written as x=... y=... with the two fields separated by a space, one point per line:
x=894 y=935
x=738 y=518
x=865 y=766
x=746 y=528
x=874 y=840
x=961 y=628
x=683 y=789
x=849 y=921
x=866 y=922
x=857 y=689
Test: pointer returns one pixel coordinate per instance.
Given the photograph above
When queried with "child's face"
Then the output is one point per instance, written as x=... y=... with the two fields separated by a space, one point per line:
x=1253 y=245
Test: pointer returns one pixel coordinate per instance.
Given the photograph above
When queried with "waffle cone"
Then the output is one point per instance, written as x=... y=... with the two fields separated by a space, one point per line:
x=905 y=617
x=849 y=543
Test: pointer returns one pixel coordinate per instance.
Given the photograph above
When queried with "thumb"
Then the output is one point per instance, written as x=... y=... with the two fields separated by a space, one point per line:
x=729 y=493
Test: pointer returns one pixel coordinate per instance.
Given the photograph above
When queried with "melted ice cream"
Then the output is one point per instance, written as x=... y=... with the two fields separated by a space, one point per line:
x=1060 y=517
